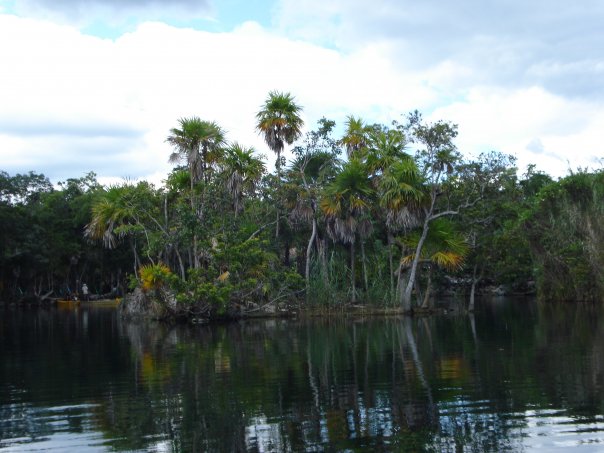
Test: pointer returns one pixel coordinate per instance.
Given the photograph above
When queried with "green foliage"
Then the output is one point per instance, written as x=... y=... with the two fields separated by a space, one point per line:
x=564 y=227
x=154 y=276
x=346 y=231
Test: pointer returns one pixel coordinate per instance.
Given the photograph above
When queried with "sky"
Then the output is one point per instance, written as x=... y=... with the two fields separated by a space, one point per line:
x=96 y=85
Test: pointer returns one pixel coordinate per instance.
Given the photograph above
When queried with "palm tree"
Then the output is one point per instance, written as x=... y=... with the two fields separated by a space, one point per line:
x=401 y=195
x=309 y=174
x=443 y=247
x=346 y=205
x=384 y=148
x=199 y=143
x=118 y=213
x=242 y=173
x=280 y=123
x=355 y=137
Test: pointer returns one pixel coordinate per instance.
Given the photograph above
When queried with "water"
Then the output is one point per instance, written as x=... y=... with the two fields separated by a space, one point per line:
x=516 y=376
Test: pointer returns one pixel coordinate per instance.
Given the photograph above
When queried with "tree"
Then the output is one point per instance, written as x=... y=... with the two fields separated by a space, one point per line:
x=564 y=225
x=199 y=143
x=355 y=136
x=124 y=211
x=444 y=247
x=396 y=179
x=314 y=167
x=346 y=205
x=438 y=159
x=280 y=123
x=401 y=197
x=242 y=172
x=489 y=224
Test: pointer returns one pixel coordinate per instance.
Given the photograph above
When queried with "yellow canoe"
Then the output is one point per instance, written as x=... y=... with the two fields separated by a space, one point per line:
x=103 y=302
x=64 y=303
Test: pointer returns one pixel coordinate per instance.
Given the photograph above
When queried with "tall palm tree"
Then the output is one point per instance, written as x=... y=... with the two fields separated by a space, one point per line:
x=280 y=123
x=242 y=172
x=199 y=143
x=308 y=175
x=346 y=205
x=401 y=194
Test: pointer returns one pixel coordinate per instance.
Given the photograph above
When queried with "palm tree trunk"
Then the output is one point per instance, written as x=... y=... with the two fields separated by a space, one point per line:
x=278 y=167
x=352 y=272
x=322 y=248
x=308 y=251
x=391 y=267
x=366 y=287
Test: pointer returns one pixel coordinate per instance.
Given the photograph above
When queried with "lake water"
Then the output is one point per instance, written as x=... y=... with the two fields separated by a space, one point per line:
x=516 y=376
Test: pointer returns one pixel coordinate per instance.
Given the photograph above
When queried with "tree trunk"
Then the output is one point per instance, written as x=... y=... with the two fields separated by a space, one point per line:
x=426 y=304
x=286 y=254
x=136 y=261
x=278 y=167
x=196 y=263
x=406 y=302
x=475 y=280
x=352 y=276
x=365 y=282
x=308 y=252
x=322 y=247
x=390 y=240
x=472 y=296
x=180 y=264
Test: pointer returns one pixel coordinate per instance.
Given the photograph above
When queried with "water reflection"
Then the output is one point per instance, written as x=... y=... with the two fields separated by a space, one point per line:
x=514 y=376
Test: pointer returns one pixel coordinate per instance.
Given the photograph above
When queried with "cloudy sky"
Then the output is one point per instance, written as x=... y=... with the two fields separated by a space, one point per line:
x=97 y=84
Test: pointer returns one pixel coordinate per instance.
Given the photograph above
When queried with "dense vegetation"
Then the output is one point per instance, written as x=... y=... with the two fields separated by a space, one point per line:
x=386 y=215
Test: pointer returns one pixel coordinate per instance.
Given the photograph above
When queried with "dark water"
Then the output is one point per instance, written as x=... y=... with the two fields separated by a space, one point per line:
x=515 y=376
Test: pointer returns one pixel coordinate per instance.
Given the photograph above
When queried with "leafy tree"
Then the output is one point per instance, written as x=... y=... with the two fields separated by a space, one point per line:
x=444 y=247
x=355 y=137
x=199 y=143
x=490 y=222
x=242 y=173
x=313 y=168
x=565 y=233
x=438 y=159
x=125 y=211
x=280 y=123
x=346 y=205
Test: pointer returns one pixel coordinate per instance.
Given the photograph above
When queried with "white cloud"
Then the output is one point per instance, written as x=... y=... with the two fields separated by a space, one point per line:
x=514 y=43
x=536 y=126
x=74 y=102
x=67 y=91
